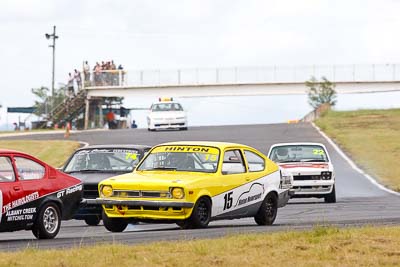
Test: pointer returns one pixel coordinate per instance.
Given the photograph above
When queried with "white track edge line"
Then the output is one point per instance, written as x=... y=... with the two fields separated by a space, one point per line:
x=352 y=164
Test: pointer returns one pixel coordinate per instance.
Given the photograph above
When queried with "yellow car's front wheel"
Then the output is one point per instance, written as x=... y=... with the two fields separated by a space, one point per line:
x=115 y=225
x=200 y=216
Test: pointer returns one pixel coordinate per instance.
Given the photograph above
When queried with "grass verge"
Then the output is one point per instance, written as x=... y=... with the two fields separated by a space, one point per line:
x=31 y=131
x=371 y=137
x=368 y=246
x=53 y=152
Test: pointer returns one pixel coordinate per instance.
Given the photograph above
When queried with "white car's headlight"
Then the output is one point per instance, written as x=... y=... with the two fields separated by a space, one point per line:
x=326 y=175
x=286 y=180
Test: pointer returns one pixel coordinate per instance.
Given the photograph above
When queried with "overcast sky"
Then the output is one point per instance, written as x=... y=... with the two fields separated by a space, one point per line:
x=161 y=34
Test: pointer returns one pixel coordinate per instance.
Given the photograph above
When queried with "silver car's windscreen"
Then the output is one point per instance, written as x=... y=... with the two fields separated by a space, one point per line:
x=103 y=160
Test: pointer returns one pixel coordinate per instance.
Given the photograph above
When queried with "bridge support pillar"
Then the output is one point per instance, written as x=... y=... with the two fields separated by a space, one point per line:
x=101 y=117
x=87 y=104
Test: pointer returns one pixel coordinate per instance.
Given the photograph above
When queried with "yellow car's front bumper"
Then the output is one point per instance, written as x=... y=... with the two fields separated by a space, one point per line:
x=144 y=209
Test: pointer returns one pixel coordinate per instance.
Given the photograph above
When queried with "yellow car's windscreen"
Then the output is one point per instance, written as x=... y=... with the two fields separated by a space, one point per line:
x=182 y=158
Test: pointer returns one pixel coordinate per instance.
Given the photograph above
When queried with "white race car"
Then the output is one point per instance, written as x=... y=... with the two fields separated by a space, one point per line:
x=166 y=114
x=313 y=173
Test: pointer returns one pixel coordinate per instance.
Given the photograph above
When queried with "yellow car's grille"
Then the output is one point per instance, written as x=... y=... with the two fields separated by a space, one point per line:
x=154 y=208
x=143 y=208
x=141 y=194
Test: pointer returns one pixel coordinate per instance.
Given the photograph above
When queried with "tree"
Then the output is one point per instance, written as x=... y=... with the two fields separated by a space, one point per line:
x=321 y=92
x=41 y=105
x=46 y=103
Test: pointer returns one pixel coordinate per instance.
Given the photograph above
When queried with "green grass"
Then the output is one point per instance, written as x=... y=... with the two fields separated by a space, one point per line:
x=31 y=131
x=53 y=152
x=368 y=246
x=371 y=138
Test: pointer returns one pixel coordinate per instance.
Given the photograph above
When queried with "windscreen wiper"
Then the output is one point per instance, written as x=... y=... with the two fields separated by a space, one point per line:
x=89 y=170
x=289 y=160
x=162 y=168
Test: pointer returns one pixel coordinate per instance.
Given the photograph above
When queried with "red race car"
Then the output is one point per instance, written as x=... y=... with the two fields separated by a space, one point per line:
x=35 y=196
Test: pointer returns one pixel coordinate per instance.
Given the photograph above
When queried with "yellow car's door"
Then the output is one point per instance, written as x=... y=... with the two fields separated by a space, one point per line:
x=232 y=177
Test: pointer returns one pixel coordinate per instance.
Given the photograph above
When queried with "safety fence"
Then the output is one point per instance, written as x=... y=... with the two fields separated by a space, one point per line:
x=243 y=75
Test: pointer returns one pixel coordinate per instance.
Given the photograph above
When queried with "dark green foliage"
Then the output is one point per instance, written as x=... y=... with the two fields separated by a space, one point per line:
x=45 y=103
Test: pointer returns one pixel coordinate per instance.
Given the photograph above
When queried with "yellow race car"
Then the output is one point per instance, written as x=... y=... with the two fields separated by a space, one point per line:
x=192 y=183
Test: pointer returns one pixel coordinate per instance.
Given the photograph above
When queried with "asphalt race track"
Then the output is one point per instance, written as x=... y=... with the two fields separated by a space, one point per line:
x=359 y=202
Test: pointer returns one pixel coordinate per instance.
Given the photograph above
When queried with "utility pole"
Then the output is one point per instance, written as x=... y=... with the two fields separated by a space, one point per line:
x=54 y=37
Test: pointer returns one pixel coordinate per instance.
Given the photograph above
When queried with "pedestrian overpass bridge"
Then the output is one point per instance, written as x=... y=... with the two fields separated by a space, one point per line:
x=241 y=80
x=235 y=81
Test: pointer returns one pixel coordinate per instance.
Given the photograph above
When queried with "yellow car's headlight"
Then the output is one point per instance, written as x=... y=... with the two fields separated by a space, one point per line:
x=106 y=191
x=177 y=192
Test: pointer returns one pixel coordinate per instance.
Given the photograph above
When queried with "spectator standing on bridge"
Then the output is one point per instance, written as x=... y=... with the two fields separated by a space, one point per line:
x=103 y=73
x=107 y=73
x=70 y=86
x=78 y=79
x=97 y=74
x=86 y=72
x=121 y=72
x=114 y=73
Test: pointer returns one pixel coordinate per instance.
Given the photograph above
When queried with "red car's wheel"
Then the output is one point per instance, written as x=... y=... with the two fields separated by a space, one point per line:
x=48 y=222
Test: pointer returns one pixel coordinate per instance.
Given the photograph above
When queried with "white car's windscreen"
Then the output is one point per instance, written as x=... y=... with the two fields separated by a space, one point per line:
x=166 y=107
x=296 y=153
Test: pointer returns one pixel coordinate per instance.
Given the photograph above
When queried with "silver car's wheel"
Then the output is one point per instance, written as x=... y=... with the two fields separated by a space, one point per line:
x=92 y=220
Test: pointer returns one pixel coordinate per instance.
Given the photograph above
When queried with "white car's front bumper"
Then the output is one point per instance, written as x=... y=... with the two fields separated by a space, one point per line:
x=167 y=124
x=315 y=187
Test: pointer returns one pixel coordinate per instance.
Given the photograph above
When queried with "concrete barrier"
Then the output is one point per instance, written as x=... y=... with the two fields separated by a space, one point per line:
x=316 y=113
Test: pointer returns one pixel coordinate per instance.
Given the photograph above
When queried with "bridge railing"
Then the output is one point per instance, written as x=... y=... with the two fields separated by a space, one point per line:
x=105 y=78
x=245 y=75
